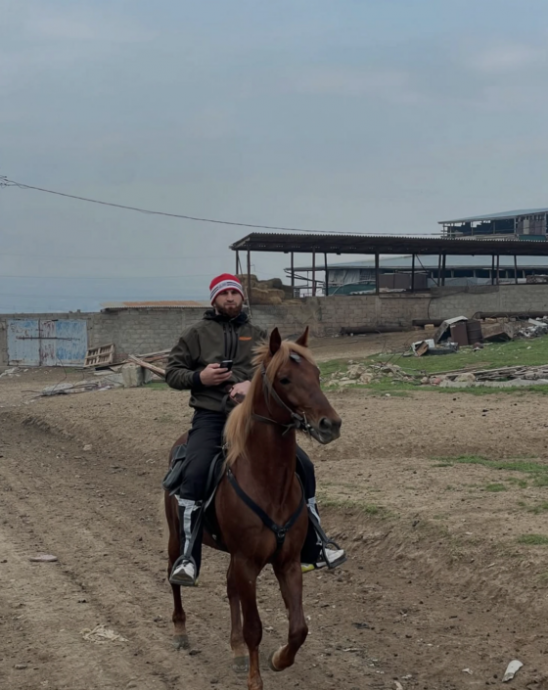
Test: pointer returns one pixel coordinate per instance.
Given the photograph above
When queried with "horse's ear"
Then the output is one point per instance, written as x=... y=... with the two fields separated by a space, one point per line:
x=275 y=341
x=303 y=339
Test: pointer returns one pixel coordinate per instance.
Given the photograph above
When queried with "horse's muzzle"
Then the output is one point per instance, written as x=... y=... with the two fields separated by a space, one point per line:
x=327 y=430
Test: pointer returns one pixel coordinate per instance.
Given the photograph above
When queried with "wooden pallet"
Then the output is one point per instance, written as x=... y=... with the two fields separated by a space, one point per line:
x=99 y=356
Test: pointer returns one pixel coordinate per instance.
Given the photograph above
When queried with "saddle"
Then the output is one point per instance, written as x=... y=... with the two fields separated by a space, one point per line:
x=174 y=478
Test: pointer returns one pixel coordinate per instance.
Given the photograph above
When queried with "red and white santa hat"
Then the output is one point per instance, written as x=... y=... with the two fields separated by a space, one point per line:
x=225 y=281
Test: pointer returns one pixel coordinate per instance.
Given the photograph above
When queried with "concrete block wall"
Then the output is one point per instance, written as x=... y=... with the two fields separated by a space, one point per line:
x=466 y=301
x=147 y=330
x=141 y=330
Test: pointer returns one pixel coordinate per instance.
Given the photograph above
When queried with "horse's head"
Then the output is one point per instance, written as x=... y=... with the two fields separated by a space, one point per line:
x=295 y=379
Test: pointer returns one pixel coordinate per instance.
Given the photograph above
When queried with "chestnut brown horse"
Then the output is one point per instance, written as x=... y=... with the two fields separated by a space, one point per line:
x=284 y=396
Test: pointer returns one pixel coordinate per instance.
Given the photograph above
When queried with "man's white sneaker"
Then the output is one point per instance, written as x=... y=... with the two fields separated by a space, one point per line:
x=183 y=574
x=335 y=557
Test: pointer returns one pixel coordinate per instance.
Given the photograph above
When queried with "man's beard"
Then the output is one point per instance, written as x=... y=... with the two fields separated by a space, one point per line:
x=231 y=311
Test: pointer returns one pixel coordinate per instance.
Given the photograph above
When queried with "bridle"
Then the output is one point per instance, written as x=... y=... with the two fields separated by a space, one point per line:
x=298 y=421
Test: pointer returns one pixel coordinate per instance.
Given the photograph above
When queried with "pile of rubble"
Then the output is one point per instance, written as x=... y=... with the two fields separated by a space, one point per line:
x=461 y=332
x=362 y=374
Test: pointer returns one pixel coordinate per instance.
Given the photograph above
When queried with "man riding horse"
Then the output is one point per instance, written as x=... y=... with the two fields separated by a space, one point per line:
x=225 y=336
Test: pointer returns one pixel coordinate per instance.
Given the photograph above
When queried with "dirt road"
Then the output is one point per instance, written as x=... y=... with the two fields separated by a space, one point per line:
x=437 y=581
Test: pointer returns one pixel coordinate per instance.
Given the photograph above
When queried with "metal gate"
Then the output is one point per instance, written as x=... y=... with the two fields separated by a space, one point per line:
x=46 y=342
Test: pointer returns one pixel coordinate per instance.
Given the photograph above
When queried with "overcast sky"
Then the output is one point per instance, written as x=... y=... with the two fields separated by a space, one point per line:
x=346 y=115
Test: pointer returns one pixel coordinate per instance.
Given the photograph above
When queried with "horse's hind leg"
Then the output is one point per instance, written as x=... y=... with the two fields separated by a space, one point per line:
x=237 y=642
x=291 y=585
x=245 y=579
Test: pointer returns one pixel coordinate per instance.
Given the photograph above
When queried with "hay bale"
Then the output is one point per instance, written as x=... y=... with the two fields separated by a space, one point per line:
x=260 y=296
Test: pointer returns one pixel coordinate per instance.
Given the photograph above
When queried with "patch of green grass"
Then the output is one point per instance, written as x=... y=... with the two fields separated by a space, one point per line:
x=533 y=539
x=521 y=483
x=535 y=509
x=511 y=465
x=541 y=480
x=494 y=355
x=353 y=504
x=522 y=352
x=495 y=488
x=157 y=385
x=332 y=366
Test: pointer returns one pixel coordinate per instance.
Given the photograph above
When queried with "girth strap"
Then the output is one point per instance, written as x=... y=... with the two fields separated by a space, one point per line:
x=279 y=531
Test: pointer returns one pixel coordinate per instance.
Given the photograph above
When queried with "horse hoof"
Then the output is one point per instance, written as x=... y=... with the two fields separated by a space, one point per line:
x=241 y=664
x=271 y=662
x=181 y=642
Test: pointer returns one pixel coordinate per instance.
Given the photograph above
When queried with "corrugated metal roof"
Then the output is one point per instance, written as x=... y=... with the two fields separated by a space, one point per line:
x=387 y=244
x=497 y=216
x=431 y=262
x=165 y=304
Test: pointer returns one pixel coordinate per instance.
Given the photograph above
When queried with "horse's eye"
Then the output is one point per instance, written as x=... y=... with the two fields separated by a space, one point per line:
x=285 y=381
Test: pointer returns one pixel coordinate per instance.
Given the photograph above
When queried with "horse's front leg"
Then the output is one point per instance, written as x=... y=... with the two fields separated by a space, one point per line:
x=291 y=585
x=245 y=579
x=237 y=642
x=180 y=637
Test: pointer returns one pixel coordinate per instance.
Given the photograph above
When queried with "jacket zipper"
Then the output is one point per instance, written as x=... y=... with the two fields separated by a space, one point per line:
x=227 y=353
x=232 y=341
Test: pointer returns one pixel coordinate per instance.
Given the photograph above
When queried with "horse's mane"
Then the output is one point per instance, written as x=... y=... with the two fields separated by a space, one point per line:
x=240 y=420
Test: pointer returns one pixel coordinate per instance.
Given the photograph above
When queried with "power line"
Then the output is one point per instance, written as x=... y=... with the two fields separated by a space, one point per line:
x=5 y=182
x=93 y=297
x=113 y=257
x=178 y=277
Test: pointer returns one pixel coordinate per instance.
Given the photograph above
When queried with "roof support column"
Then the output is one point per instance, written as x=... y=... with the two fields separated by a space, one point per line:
x=292 y=274
x=439 y=269
x=443 y=269
x=326 y=275
x=313 y=274
x=498 y=272
x=413 y=274
x=248 y=278
x=515 y=269
x=493 y=269
x=237 y=261
x=377 y=273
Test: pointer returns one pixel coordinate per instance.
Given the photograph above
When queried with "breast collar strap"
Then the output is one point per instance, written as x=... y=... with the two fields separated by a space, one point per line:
x=298 y=421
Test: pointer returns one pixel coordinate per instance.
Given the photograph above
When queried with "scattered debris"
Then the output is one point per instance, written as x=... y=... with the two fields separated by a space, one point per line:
x=147 y=365
x=44 y=558
x=134 y=376
x=14 y=371
x=424 y=347
x=81 y=386
x=445 y=327
x=87 y=447
x=101 y=635
x=511 y=670
x=99 y=356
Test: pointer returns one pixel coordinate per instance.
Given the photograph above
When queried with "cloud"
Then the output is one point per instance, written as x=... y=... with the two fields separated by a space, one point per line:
x=390 y=85
x=508 y=58
x=32 y=21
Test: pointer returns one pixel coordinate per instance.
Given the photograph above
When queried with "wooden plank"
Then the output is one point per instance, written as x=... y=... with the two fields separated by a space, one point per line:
x=147 y=365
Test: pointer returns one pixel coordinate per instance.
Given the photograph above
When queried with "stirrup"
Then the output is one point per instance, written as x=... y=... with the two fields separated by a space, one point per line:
x=183 y=579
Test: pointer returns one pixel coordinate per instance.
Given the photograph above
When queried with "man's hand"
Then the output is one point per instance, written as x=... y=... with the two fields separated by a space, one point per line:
x=239 y=390
x=214 y=375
